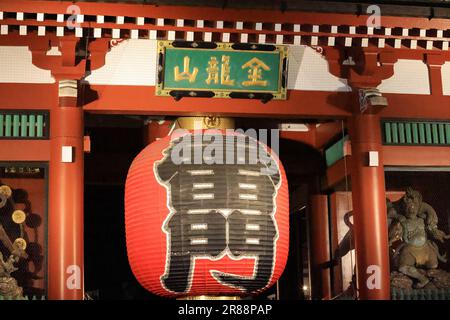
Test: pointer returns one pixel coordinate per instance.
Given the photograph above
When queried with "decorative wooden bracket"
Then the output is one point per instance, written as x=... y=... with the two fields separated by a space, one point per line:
x=434 y=63
x=77 y=58
x=362 y=67
x=365 y=69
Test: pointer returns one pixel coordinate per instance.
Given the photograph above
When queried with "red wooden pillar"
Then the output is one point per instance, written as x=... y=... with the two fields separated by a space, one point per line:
x=66 y=172
x=66 y=178
x=320 y=247
x=369 y=208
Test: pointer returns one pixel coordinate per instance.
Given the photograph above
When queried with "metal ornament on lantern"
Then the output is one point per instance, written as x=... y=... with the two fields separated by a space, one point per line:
x=206 y=230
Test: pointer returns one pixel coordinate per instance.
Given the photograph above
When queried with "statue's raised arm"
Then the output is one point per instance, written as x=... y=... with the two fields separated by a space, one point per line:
x=431 y=221
x=430 y=217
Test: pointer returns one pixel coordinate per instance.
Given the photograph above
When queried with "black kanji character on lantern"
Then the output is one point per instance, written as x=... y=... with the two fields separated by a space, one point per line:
x=204 y=199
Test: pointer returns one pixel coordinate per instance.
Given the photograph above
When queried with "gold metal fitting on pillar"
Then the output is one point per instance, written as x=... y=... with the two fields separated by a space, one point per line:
x=371 y=100
x=206 y=122
x=68 y=88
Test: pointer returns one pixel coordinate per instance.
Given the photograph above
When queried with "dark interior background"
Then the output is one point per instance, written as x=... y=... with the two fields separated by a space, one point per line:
x=115 y=141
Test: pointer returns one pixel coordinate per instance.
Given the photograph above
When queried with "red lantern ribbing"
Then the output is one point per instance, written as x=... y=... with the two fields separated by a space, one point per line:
x=206 y=227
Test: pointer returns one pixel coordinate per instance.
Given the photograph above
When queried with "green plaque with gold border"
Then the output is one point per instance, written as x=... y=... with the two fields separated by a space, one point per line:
x=221 y=70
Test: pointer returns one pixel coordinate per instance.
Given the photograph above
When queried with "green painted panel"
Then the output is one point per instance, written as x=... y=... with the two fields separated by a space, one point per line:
x=221 y=70
x=408 y=133
x=32 y=126
x=401 y=132
x=190 y=69
x=335 y=152
x=441 y=128
x=387 y=132
x=434 y=130
x=447 y=132
x=23 y=125
x=16 y=125
x=40 y=126
x=394 y=132
x=428 y=133
x=422 y=133
x=415 y=132
x=8 y=125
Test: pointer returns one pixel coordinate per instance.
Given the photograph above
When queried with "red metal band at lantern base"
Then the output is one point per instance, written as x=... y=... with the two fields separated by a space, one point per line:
x=369 y=207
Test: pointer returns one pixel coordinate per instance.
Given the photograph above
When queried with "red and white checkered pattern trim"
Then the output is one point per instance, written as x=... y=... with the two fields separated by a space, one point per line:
x=116 y=27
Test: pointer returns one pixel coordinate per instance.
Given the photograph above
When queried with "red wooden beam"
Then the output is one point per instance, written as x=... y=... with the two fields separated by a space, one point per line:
x=14 y=39
x=401 y=156
x=327 y=131
x=24 y=150
x=306 y=137
x=142 y=100
x=417 y=106
x=28 y=96
x=317 y=136
x=337 y=172
x=422 y=156
x=321 y=104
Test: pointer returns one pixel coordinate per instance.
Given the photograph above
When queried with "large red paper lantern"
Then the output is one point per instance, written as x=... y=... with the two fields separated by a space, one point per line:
x=198 y=226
